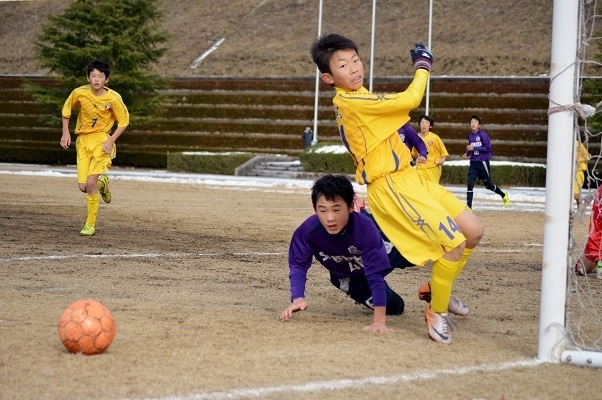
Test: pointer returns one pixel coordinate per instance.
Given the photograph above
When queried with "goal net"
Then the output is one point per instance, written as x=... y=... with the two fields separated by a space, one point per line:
x=571 y=302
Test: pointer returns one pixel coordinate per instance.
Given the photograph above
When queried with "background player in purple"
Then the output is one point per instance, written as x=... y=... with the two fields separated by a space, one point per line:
x=411 y=139
x=349 y=245
x=478 y=150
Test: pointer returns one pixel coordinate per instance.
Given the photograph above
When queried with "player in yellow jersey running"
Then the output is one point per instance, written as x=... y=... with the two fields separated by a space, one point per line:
x=437 y=153
x=422 y=219
x=99 y=109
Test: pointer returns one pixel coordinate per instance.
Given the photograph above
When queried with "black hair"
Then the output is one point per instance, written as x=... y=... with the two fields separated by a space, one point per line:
x=331 y=186
x=475 y=116
x=323 y=48
x=100 y=66
x=429 y=119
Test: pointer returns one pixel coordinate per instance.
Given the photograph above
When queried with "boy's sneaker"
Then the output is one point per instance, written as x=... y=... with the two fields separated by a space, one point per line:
x=103 y=188
x=506 y=200
x=358 y=203
x=88 y=230
x=438 y=326
x=455 y=305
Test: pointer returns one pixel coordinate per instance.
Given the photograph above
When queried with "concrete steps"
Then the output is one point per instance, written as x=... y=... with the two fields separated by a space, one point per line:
x=275 y=167
x=267 y=116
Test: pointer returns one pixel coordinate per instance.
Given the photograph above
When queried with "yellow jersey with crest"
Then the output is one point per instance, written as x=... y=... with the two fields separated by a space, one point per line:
x=96 y=113
x=436 y=151
x=416 y=215
x=368 y=124
x=430 y=170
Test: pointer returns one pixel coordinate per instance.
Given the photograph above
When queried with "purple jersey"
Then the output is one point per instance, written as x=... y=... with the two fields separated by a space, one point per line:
x=479 y=140
x=357 y=250
x=411 y=139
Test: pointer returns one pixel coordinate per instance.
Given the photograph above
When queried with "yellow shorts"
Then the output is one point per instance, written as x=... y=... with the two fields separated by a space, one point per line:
x=91 y=160
x=578 y=182
x=417 y=216
x=430 y=174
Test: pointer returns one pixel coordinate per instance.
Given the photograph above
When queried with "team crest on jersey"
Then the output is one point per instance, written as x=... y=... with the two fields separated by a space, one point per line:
x=107 y=106
x=402 y=136
x=337 y=114
x=353 y=250
x=478 y=138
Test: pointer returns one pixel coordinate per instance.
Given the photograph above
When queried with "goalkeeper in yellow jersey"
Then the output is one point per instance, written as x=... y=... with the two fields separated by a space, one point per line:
x=99 y=109
x=422 y=219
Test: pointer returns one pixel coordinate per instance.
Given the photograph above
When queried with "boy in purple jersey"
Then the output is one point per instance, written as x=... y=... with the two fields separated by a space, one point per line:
x=411 y=139
x=478 y=150
x=355 y=251
x=350 y=246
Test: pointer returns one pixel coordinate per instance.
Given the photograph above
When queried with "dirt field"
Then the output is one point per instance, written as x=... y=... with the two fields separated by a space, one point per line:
x=196 y=275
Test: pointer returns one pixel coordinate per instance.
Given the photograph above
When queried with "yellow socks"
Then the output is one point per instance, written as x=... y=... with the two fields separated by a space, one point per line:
x=465 y=254
x=93 y=203
x=443 y=274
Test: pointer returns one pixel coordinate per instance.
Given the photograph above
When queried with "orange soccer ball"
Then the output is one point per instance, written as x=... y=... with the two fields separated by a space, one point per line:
x=87 y=327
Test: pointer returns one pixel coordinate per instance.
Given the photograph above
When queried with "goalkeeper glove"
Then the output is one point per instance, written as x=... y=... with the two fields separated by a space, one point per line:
x=421 y=57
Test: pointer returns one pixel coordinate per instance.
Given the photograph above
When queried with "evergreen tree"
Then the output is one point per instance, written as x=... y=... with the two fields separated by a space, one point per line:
x=124 y=33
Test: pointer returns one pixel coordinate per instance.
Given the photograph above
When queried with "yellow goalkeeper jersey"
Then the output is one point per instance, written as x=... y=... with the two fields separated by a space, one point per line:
x=368 y=124
x=96 y=113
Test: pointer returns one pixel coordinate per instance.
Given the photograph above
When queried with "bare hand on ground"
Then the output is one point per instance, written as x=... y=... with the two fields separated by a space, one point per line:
x=378 y=327
x=298 y=305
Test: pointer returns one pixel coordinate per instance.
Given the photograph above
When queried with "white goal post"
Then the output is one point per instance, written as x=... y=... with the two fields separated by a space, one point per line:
x=553 y=342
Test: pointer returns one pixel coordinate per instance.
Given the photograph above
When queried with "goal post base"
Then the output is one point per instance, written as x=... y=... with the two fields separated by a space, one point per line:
x=582 y=358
